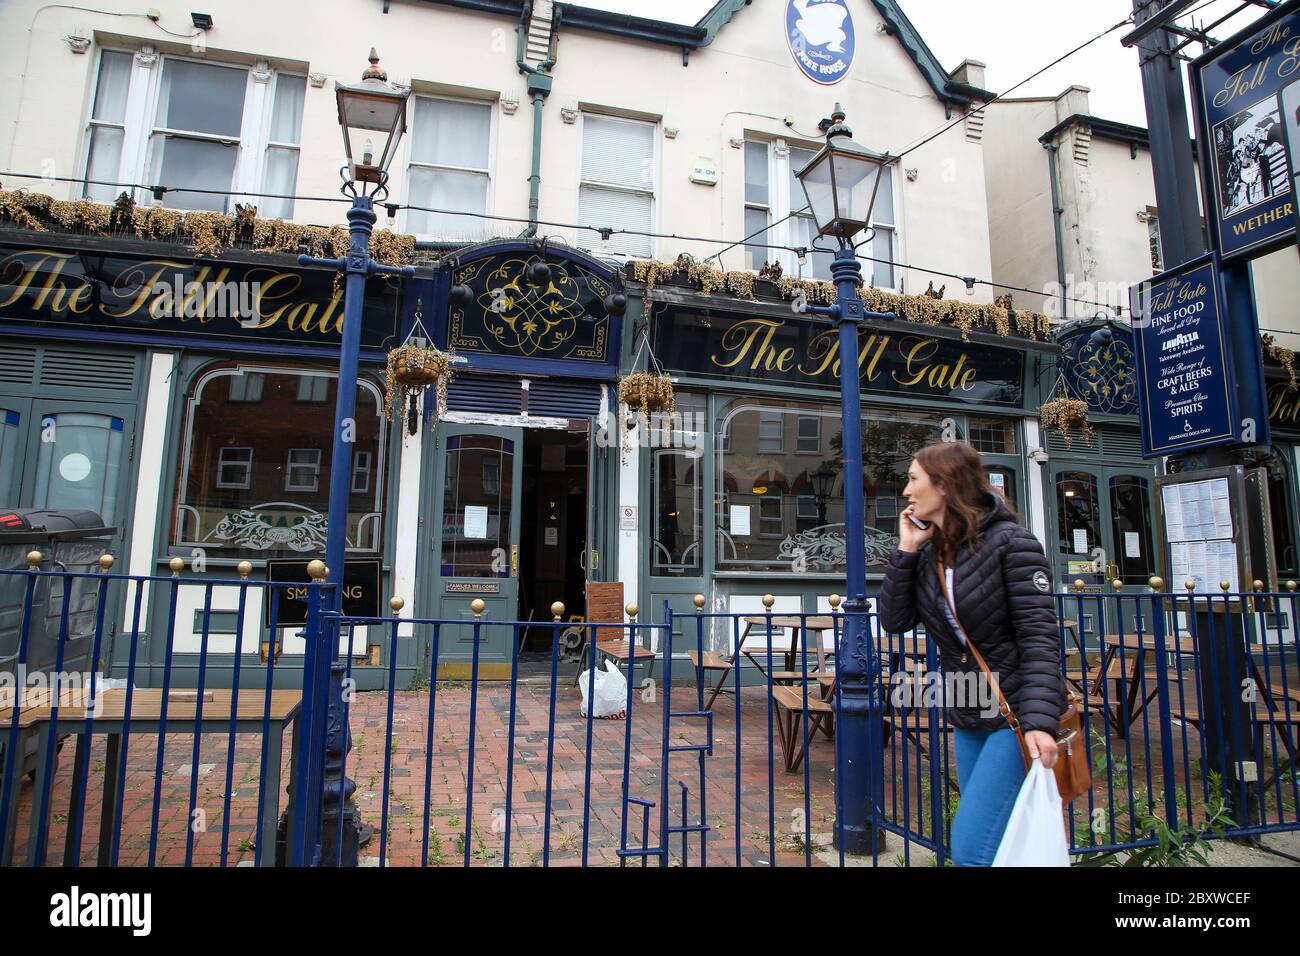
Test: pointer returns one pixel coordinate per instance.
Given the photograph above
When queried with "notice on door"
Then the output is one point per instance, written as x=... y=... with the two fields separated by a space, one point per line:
x=740 y=521
x=476 y=521
x=1080 y=541
x=552 y=537
x=1132 y=547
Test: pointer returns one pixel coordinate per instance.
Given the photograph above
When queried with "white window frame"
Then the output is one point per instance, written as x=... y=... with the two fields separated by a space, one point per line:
x=782 y=204
x=800 y=502
x=585 y=239
x=773 y=495
x=267 y=144
x=139 y=129
x=765 y=208
x=362 y=467
x=405 y=149
x=290 y=465
x=766 y=418
x=222 y=464
x=816 y=437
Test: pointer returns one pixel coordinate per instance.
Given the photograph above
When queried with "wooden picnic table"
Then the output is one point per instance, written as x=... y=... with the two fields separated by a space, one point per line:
x=251 y=716
x=800 y=624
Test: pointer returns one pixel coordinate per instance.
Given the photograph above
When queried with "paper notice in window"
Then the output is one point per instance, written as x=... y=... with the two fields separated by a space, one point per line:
x=476 y=520
x=1080 y=541
x=1132 y=546
x=740 y=521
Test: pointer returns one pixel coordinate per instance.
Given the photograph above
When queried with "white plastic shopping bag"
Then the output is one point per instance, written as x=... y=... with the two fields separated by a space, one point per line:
x=1035 y=834
x=610 y=691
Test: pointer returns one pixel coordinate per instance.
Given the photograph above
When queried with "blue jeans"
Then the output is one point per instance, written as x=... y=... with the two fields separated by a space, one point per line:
x=990 y=771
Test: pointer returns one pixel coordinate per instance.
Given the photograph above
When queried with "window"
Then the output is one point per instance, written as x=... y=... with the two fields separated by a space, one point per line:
x=770 y=522
x=808 y=434
x=449 y=168
x=312 y=388
x=282 y=147
x=993 y=436
x=248 y=482
x=617 y=185
x=361 y=472
x=195 y=140
x=677 y=495
x=108 y=126
x=773 y=193
x=758 y=206
x=302 y=471
x=769 y=432
x=777 y=488
x=246 y=388
x=234 y=468
x=199 y=139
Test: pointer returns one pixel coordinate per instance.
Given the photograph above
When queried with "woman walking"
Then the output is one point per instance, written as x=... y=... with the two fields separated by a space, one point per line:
x=974 y=574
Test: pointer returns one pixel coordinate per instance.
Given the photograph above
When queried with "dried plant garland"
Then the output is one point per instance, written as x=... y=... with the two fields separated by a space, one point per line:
x=1280 y=354
x=210 y=233
x=928 y=308
x=411 y=368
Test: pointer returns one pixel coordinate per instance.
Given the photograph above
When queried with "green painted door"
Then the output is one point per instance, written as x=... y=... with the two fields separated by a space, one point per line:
x=1104 y=531
x=478 y=480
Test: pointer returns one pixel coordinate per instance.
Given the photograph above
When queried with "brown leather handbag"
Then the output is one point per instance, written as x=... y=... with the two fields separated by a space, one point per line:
x=1073 y=774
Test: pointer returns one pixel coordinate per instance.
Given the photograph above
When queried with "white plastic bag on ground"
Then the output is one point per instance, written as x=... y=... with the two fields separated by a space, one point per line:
x=610 y=691
x=1035 y=834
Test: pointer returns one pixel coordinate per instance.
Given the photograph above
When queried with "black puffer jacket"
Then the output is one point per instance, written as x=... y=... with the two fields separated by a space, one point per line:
x=1004 y=603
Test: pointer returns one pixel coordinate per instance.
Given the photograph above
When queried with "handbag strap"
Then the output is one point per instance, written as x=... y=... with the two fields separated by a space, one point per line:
x=1003 y=707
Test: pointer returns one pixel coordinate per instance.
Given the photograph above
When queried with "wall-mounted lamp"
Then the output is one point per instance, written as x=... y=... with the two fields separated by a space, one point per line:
x=202 y=21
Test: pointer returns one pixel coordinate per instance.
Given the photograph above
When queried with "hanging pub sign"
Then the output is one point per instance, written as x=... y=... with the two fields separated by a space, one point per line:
x=1246 y=101
x=121 y=295
x=821 y=37
x=361 y=583
x=1101 y=373
x=1187 y=395
x=525 y=304
x=739 y=347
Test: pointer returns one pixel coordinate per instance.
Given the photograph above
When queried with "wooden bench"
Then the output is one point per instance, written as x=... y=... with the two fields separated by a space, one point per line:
x=790 y=710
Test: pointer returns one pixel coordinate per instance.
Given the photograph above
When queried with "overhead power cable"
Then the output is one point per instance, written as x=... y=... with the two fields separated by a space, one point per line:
x=603 y=231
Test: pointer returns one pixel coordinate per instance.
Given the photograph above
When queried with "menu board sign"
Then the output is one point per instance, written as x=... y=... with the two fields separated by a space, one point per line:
x=1201 y=535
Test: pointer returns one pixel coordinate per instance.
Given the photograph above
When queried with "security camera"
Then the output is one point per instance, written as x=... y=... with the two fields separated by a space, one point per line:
x=1038 y=456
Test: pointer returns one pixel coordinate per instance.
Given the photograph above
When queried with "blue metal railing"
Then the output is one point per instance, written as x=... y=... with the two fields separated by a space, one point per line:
x=1191 y=706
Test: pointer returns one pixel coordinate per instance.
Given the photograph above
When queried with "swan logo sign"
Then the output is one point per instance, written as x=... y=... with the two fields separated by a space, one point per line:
x=821 y=38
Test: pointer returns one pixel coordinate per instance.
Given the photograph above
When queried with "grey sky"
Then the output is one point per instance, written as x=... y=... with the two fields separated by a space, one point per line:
x=1015 y=38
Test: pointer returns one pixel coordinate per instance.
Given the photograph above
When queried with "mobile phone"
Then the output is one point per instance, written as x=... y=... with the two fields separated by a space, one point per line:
x=922 y=525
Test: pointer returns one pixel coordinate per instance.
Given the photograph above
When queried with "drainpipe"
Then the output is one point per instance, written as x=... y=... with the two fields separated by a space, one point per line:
x=1057 y=211
x=539 y=87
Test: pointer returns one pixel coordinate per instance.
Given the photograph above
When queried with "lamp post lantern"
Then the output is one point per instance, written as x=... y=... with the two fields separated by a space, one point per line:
x=823 y=481
x=369 y=111
x=840 y=182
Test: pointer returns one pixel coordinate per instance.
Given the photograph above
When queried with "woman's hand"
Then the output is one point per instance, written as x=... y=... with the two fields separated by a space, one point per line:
x=1042 y=746
x=910 y=537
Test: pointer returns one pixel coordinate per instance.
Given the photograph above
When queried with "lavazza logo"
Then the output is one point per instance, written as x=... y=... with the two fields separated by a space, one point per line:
x=76 y=909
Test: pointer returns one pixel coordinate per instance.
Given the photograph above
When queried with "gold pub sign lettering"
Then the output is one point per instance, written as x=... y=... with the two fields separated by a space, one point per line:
x=748 y=345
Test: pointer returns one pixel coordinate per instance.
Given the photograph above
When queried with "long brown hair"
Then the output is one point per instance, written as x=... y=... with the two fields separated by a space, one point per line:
x=956 y=467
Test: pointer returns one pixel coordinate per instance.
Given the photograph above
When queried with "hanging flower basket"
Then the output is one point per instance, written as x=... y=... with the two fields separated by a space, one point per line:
x=412 y=368
x=646 y=392
x=1063 y=414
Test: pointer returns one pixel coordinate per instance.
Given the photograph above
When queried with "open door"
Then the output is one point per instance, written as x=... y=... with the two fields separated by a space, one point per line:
x=476 y=541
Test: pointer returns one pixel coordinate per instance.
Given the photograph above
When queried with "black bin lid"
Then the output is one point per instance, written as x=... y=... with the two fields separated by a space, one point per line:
x=26 y=524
